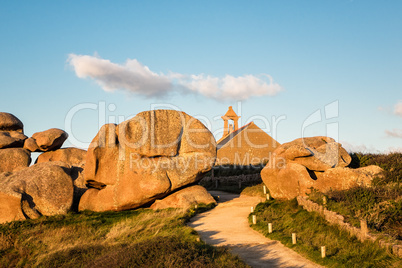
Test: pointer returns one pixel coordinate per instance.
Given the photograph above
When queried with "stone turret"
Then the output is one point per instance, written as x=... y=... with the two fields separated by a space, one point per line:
x=230 y=115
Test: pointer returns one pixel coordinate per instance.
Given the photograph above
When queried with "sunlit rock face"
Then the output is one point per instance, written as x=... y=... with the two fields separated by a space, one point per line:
x=144 y=159
x=317 y=162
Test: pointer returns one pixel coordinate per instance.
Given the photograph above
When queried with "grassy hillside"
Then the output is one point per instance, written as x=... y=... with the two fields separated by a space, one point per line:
x=313 y=231
x=140 y=238
x=380 y=205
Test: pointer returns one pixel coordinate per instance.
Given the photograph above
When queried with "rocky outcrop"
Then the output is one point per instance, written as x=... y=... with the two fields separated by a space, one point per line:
x=144 y=159
x=185 y=198
x=11 y=139
x=71 y=156
x=317 y=162
x=9 y=122
x=12 y=159
x=48 y=140
x=76 y=159
x=11 y=131
x=10 y=208
x=30 y=145
x=43 y=189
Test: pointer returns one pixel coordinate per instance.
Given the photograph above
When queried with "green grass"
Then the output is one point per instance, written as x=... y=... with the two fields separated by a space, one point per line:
x=140 y=238
x=255 y=190
x=313 y=232
x=380 y=204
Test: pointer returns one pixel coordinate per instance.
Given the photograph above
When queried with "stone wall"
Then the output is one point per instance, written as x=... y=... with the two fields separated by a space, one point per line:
x=246 y=179
x=361 y=233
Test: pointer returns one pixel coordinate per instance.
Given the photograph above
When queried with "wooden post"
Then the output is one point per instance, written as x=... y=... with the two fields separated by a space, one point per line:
x=254 y=219
x=267 y=196
x=212 y=173
x=239 y=184
x=323 y=252
x=324 y=201
x=252 y=209
x=264 y=188
x=270 y=228
x=293 y=238
x=363 y=228
x=216 y=183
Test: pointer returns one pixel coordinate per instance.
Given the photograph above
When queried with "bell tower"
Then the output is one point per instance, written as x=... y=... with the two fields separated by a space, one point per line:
x=229 y=128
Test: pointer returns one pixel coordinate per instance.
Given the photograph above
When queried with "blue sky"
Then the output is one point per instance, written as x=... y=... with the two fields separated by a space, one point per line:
x=276 y=60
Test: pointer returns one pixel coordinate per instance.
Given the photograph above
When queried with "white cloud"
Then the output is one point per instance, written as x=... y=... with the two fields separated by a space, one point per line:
x=230 y=87
x=132 y=76
x=398 y=108
x=396 y=133
x=137 y=78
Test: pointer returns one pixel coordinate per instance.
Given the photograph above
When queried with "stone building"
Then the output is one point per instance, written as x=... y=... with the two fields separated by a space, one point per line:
x=247 y=145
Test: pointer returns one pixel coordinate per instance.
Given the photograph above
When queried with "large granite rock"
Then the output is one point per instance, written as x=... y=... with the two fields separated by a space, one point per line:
x=145 y=158
x=76 y=159
x=11 y=139
x=9 y=122
x=317 y=162
x=43 y=189
x=185 y=198
x=12 y=159
x=10 y=208
x=71 y=156
x=30 y=145
x=51 y=139
x=11 y=131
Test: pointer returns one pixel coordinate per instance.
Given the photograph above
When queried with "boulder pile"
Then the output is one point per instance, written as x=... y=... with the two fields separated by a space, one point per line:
x=45 y=188
x=12 y=155
x=144 y=159
x=319 y=162
x=155 y=157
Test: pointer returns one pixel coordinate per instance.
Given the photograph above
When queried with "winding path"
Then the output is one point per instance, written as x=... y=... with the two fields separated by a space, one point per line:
x=227 y=225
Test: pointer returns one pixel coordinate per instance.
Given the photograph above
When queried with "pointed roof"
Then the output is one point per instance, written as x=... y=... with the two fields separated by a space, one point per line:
x=246 y=145
x=231 y=135
x=230 y=113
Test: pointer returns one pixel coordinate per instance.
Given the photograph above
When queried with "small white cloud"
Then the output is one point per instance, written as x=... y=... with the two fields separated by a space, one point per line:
x=132 y=76
x=396 y=133
x=137 y=78
x=398 y=108
x=230 y=87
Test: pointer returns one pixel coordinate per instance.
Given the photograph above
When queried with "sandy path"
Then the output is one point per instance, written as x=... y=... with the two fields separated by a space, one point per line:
x=227 y=225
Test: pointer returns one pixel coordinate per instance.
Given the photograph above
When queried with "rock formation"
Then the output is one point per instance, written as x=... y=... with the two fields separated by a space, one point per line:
x=48 y=140
x=76 y=159
x=43 y=189
x=317 y=162
x=144 y=159
x=71 y=156
x=12 y=156
x=185 y=198
x=12 y=159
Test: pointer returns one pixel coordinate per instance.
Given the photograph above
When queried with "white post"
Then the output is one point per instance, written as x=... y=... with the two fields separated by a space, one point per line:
x=323 y=252
x=293 y=238
x=252 y=209
x=264 y=188
x=270 y=228
x=254 y=219
x=267 y=196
